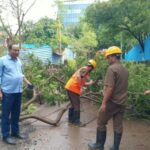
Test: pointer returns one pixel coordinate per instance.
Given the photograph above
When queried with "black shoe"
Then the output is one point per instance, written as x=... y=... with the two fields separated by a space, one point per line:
x=9 y=140
x=117 y=140
x=100 y=141
x=19 y=136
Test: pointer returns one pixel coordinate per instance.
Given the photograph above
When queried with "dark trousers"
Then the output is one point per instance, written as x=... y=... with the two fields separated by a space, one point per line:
x=74 y=99
x=11 y=105
x=114 y=111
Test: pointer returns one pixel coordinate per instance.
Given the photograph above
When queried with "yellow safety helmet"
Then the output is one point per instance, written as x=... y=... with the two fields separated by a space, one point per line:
x=92 y=62
x=113 y=50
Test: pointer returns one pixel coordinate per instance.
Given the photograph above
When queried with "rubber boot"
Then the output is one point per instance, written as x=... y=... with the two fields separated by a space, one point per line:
x=100 y=141
x=117 y=140
x=76 y=121
x=70 y=115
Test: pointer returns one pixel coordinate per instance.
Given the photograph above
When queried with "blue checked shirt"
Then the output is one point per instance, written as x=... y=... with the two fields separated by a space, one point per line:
x=11 y=75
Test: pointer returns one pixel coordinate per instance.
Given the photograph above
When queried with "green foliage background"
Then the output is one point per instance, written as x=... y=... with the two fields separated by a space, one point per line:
x=120 y=22
x=53 y=92
x=116 y=22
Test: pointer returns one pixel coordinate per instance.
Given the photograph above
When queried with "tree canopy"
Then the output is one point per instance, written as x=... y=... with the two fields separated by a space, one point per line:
x=17 y=11
x=120 y=22
x=40 y=32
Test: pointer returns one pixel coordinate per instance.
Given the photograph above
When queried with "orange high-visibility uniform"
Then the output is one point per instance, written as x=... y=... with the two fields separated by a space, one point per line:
x=74 y=84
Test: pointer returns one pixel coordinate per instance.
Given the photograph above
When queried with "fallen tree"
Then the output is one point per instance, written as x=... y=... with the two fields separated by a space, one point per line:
x=35 y=97
x=55 y=122
x=91 y=96
x=50 y=122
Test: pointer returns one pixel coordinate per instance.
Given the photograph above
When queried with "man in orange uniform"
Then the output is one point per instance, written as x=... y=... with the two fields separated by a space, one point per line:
x=74 y=90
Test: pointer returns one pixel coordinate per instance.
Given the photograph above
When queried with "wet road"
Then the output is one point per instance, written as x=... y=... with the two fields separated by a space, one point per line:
x=67 y=137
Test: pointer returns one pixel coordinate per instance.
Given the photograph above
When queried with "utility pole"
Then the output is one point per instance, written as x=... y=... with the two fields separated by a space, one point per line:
x=59 y=34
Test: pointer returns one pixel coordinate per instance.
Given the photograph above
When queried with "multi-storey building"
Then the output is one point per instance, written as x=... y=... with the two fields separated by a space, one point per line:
x=74 y=9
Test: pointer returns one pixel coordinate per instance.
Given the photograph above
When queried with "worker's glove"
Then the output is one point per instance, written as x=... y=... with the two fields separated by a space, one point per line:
x=30 y=86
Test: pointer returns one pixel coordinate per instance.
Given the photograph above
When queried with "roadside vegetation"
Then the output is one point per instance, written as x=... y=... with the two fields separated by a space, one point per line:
x=116 y=22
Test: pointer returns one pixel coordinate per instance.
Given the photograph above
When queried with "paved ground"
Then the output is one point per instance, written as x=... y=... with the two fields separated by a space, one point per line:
x=66 y=137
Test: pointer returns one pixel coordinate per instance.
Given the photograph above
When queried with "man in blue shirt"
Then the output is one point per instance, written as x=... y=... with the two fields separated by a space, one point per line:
x=11 y=82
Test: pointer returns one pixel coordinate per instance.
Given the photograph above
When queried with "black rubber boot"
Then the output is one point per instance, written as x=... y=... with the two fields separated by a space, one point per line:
x=100 y=141
x=117 y=140
x=70 y=115
x=76 y=120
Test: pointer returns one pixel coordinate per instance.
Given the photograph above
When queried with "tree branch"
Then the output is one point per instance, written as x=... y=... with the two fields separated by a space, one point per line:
x=33 y=99
x=50 y=122
x=138 y=38
x=30 y=7
x=5 y=28
x=20 y=24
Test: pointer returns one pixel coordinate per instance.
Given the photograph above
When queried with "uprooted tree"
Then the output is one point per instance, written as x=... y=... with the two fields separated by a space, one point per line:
x=46 y=77
x=35 y=97
x=50 y=81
